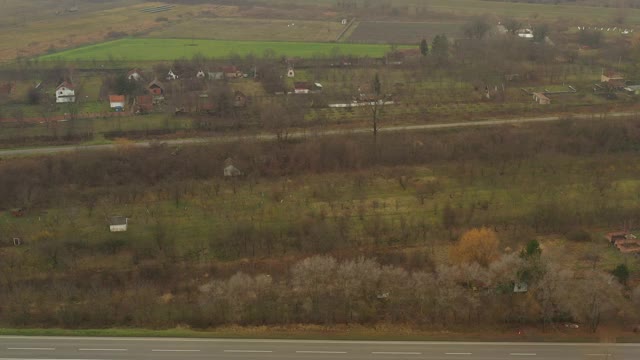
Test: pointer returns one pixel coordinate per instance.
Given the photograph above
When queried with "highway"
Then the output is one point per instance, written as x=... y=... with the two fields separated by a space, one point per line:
x=85 y=348
x=304 y=134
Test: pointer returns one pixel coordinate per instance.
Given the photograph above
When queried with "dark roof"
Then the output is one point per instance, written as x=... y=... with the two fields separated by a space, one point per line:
x=118 y=220
x=302 y=85
x=157 y=83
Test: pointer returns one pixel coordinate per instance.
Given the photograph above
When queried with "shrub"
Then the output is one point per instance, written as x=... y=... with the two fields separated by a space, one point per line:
x=579 y=235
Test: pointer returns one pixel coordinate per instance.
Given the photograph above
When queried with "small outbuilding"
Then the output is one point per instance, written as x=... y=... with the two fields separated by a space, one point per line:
x=541 y=98
x=232 y=171
x=156 y=88
x=118 y=224
x=135 y=75
x=117 y=102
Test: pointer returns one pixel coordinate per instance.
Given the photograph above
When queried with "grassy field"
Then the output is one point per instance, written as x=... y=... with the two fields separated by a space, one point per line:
x=171 y=49
x=251 y=29
x=402 y=32
x=522 y=10
x=37 y=35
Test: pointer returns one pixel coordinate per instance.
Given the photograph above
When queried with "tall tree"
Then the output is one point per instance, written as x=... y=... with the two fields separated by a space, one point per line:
x=440 y=48
x=377 y=104
x=476 y=245
x=424 y=47
x=477 y=28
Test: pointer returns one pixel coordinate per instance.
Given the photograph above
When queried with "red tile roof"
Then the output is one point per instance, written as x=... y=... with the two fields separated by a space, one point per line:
x=66 y=84
x=116 y=98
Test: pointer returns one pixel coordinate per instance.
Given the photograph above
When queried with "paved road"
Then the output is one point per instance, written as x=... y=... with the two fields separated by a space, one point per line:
x=303 y=134
x=50 y=348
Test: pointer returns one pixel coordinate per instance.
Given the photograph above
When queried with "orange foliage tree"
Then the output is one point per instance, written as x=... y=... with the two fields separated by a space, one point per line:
x=476 y=245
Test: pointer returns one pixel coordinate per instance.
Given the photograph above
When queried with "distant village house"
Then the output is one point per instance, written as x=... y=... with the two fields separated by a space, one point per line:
x=541 y=98
x=135 y=75
x=118 y=224
x=65 y=93
x=117 y=102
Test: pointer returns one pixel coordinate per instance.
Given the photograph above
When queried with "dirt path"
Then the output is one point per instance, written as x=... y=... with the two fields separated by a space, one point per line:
x=315 y=133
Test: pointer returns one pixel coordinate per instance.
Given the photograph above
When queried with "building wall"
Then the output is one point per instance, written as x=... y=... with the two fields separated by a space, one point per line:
x=118 y=228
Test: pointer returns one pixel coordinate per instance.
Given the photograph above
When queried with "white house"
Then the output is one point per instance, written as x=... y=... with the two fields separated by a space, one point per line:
x=291 y=73
x=117 y=102
x=65 y=93
x=232 y=171
x=200 y=75
x=525 y=33
x=135 y=75
x=171 y=75
x=118 y=224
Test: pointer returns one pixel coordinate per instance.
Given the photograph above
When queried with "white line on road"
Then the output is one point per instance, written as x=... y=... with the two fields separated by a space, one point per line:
x=395 y=353
x=457 y=353
x=522 y=354
x=248 y=351
x=102 y=349
x=320 y=352
x=169 y=350
x=47 y=349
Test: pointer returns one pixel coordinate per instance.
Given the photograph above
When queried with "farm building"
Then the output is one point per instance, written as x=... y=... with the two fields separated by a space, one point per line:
x=118 y=224
x=525 y=33
x=205 y=103
x=625 y=241
x=116 y=102
x=144 y=104
x=135 y=75
x=306 y=88
x=65 y=93
x=156 y=88
x=633 y=89
x=216 y=75
x=541 y=98
x=231 y=72
x=200 y=74
x=291 y=73
x=612 y=79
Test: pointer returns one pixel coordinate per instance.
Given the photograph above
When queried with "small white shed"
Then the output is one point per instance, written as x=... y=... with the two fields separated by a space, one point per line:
x=118 y=224
x=232 y=171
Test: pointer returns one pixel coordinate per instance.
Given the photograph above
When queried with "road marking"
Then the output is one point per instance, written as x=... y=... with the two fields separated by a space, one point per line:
x=395 y=353
x=522 y=354
x=170 y=350
x=320 y=352
x=47 y=349
x=248 y=351
x=457 y=353
x=102 y=350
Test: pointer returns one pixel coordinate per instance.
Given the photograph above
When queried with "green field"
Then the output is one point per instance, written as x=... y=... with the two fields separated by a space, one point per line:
x=172 y=49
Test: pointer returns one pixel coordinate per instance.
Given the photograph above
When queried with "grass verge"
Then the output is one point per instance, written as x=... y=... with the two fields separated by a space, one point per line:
x=378 y=333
